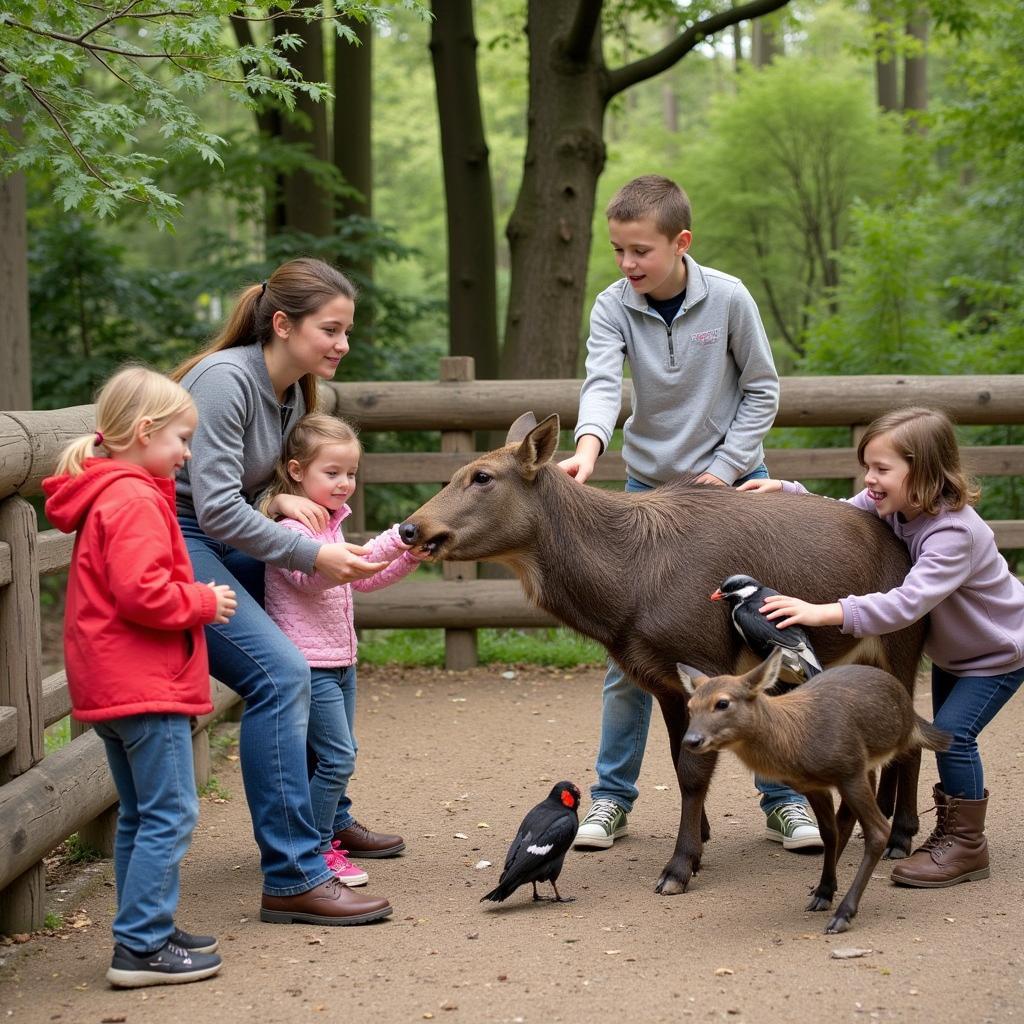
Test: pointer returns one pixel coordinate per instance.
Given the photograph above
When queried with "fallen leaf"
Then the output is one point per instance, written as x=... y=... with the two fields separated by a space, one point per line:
x=481 y=864
x=482 y=824
x=612 y=952
x=849 y=952
x=460 y=835
x=722 y=971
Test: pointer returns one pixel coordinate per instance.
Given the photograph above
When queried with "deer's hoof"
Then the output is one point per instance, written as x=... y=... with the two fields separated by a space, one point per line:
x=895 y=853
x=819 y=902
x=838 y=924
x=673 y=882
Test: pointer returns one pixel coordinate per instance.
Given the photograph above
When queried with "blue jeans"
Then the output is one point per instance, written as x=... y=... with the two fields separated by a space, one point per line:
x=332 y=740
x=150 y=758
x=963 y=706
x=626 y=718
x=252 y=656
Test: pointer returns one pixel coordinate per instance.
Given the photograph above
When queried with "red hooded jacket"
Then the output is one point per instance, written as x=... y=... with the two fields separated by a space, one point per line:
x=133 y=625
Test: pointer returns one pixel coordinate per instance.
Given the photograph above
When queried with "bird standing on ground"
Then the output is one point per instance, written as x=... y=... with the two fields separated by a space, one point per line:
x=540 y=845
x=745 y=596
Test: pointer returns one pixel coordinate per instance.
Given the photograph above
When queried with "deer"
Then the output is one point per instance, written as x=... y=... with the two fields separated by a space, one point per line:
x=830 y=733
x=635 y=571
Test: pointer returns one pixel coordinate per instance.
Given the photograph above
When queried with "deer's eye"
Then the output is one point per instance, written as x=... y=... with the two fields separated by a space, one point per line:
x=482 y=477
x=721 y=704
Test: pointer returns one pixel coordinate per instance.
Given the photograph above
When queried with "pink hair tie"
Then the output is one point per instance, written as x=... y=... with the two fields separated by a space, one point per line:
x=99 y=439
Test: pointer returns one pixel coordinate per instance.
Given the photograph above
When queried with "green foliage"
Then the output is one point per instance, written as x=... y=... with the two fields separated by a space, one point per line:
x=77 y=851
x=61 y=62
x=91 y=313
x=52 y=921
x=773 y=183
x=425 y=647
x=57 y=735
x=214 y=789
x=886 y=314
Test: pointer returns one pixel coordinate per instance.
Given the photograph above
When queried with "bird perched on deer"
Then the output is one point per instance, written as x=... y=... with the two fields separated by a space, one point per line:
x=745 y=596
x=540 y=845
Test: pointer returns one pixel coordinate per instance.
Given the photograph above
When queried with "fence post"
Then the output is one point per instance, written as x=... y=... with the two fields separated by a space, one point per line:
x=22 y=906
x=459 y=644
x=99 y=833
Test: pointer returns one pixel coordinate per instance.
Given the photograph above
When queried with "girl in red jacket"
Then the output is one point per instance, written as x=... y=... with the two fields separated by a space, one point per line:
x=135 y=655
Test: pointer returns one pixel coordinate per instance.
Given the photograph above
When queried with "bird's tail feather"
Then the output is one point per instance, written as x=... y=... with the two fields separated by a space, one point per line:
x=498 y=894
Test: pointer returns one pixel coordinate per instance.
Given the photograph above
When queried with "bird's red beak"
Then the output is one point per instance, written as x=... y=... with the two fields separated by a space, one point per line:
x=717 y=595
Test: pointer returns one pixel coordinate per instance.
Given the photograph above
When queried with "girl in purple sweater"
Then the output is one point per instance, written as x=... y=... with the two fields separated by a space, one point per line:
x=976 y=629
x=314 y=479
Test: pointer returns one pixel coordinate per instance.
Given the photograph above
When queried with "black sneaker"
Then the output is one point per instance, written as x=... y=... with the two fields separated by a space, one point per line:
x=194 y=943
x=169 y=965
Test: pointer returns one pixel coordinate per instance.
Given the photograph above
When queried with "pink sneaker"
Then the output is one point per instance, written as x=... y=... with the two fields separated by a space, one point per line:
x=342 y=868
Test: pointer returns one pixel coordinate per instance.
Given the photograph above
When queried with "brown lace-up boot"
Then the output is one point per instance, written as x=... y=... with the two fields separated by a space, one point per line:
x=956 y=851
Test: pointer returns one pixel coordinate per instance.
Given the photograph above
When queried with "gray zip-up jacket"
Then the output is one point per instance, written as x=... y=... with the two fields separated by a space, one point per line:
x=705 y=390
x=238 y=442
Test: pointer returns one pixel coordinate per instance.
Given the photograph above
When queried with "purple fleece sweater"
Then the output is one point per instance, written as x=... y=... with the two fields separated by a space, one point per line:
x=957 y=575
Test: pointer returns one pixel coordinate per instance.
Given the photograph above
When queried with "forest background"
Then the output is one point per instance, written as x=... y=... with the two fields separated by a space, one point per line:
x=858 y=163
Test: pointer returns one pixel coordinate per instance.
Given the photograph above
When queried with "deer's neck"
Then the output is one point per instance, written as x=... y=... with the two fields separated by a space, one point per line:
x=776 y=738
x=583 y=566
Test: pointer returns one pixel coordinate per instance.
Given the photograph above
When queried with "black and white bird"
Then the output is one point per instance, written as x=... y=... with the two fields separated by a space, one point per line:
x=745 y=596
x=540 y=845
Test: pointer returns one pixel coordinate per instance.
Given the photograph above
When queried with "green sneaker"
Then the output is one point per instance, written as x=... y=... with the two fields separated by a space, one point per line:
x=605 y=822
x=793 y=826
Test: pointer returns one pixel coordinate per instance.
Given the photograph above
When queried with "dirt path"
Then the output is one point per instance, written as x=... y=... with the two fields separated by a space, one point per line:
x=447 y=754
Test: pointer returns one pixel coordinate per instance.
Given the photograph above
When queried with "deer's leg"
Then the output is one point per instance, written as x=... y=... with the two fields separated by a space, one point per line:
x=904 y=821
x=860 y=797
x=822 y=893
x=887 y=789
x=845 y=819
x=693 y=772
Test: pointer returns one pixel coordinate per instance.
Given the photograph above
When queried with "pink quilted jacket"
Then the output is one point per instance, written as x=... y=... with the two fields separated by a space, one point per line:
x=315 y=614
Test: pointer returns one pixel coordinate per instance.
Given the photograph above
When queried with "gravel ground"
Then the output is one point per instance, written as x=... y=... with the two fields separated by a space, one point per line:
x=453 y=761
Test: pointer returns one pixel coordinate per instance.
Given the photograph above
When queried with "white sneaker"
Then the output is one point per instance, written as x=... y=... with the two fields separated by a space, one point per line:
x=793 y=826
x=605 y=822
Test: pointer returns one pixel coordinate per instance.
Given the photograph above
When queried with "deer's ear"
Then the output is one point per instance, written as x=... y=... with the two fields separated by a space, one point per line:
x=520 y=428
x=765 y=675
x=538 y=446
x=691 y=678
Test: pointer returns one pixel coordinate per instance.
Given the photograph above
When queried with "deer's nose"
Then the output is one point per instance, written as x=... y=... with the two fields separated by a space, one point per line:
x=407 y=531
x=693 y=740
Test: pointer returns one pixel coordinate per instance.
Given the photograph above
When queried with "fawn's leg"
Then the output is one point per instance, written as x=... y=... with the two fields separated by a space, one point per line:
x=822 y=893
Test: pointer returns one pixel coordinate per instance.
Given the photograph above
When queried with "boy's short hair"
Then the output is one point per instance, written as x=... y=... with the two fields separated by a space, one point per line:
x=652 y=196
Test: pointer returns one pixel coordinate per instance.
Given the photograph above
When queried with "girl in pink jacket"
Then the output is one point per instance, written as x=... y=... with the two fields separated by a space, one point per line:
x=314 y=480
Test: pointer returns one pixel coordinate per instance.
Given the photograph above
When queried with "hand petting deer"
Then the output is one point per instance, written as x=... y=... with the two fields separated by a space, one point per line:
x=634 y=572
x=831 y=733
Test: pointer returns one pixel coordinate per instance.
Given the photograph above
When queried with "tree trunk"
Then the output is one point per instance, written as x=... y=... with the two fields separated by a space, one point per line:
x=887 y=86
x=15 y=350
x=765 y=44
x=353 y=114
x=550 y=228
x=472 y=273
x=915 y=69
x=308 y=207
x=268 y=124
x=353 y=146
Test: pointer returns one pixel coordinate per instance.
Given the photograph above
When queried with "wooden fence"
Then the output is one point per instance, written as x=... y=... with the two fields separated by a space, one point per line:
x=45 y=799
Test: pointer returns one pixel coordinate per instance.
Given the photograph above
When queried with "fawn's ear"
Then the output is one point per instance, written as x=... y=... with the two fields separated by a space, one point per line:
x=691 y=678
x=538 y=446
x=764 y=677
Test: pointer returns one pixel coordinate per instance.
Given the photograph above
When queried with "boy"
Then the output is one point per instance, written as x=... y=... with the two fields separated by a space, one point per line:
x=705 y=393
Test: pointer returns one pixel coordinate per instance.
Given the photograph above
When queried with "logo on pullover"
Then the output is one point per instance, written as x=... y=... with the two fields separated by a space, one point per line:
x=706 y=337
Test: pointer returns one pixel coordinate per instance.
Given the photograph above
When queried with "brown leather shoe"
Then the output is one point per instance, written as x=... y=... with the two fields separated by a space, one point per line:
x=330 y=903
x=361 y=842
x=957 y=851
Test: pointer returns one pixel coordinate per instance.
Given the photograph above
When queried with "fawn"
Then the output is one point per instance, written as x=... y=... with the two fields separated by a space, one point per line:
x=830 y=733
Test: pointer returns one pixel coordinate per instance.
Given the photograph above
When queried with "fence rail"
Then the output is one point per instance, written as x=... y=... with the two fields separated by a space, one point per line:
x=45 y=799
